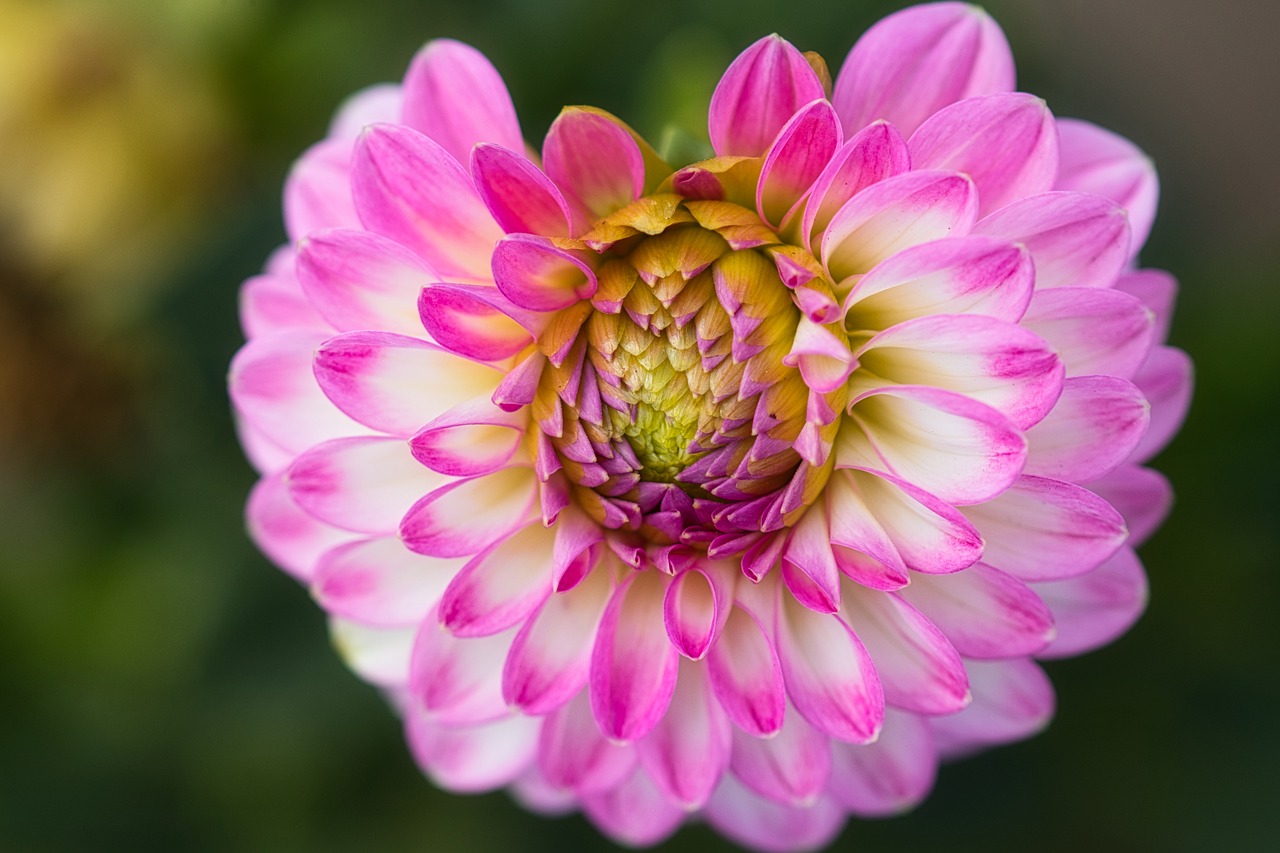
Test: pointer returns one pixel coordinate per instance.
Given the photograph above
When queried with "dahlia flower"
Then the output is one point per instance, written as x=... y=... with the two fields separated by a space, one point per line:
x=741 y=490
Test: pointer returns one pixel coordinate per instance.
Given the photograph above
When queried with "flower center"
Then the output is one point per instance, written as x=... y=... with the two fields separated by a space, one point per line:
x=667 y=401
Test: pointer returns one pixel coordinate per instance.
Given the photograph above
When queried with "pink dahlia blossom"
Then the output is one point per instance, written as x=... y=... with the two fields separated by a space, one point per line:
x=742 y=490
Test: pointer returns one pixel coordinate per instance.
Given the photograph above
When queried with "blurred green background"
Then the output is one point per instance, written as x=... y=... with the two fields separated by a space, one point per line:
x=164 y=688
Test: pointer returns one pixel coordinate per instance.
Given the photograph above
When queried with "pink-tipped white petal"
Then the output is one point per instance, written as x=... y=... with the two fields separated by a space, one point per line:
x=1012 y=700
x=1095 y=330
x=1076 y=239
x=992 y=361
x=915 y=62
x=359 y=280
x=317 y=193
x=918 y=667
x=408 y=188
x=887 y=777
x=960 y=275
x=896 y=214
x=1143 y=496
x=795 y=160
x=947 y=444
x=761 y=824
x=637 y=812
x=458 y=681
x=273 y=389
x=551 y=655
x=1098 y=161
x=984 y=612
x=829 y=674
x=394 y=383
x=877 y=152
x=361 y=484
x=1044 y=529
x=688 y=750
x=1095 y=608
x=500 y=586
x=595 y=162
x=573 y=754
x=472 y=438
x=476 y=758
x=380 y=582
x=537 y=275
x=790 y=767
x=759 y=92
x=293 y=538
x=1165 y=379
x=1094 y=427
x=746 y=676
x=633 y=666
x=1006 y=143
x=454 y=95
x=377 y=654
x=521 y=198
x=469 y=515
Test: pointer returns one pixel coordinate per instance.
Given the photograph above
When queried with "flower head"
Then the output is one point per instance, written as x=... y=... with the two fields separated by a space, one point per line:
x=743 y=489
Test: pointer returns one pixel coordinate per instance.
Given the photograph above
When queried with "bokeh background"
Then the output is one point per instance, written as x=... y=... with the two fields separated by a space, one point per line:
x=163 y=688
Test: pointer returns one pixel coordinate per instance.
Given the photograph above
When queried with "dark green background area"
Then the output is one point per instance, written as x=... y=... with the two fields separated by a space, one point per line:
x=162 y=687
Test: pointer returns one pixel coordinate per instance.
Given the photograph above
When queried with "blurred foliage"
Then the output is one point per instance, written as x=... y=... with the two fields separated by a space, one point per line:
x=164 y=688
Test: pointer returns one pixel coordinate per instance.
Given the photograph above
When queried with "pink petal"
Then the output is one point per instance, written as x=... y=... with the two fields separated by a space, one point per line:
x=1157 y=289
x=877 y=152
x=1047 y=530
x=274 y=390
x=1165 y=379
x=500 y=586
x=829 y=674
x=944 y=443
x=474 y=321
x=459 y=681
x=887 y=777
x=474 y=759
x=358 y=280
x=273 y=303
x=394 y=383
x=536 y=274
x=917 y=61
x=381 y=582
x=688 y=750
x=918 y=667
x=759 y=92
x=595 y=162
x=746 y=676
x=958 y=275
x=361 y=484
x=381 y=102
x=789 y=767
x=551 y=656
x=1076 y=239
x=317 y=193
x=467 y=516
x=984 y=612
x=795 y=160
x=472 y=438
x=1006 y=143
x=292 y=538
x=992 y=361
x=761 y=824
x=696 y=606
x=634 y=665
x=1012 y=700
x=1094 y=330
x=635 y=813
x=896 y=214
x=454 y=95
x=408 y=188
x=1098 y=161
x=1095 y=608
x=573 y=754
x=518 y=194
x=1093 y=428
x=1143 y=496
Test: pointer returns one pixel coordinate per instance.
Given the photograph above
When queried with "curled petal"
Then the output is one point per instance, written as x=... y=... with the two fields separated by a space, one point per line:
x=535 y=274
x=454 y=95
x=695 y=609
x=474 y=321
x=1095 y=160
x=518 y=194
x=917 y=61
x=795 y=160
x=761 y=90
